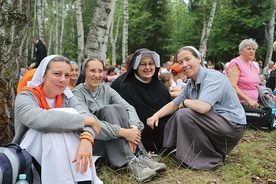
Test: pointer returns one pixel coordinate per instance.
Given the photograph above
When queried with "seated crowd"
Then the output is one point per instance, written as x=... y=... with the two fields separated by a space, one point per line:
x=122 y=115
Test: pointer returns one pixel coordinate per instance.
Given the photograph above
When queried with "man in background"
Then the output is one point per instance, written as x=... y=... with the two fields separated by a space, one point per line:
x=40 y=51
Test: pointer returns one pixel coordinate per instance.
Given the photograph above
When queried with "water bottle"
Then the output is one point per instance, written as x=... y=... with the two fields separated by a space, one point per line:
x=22 y=179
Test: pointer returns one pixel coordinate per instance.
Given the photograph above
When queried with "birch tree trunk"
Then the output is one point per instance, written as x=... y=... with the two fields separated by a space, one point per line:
x=125 y=31
x=207 y=28
x=62 y=26
x=57 y=28
x=97 y=39
x=33 y=31
x=113 y=41
x=80 y=32
x=271 y=31
x=40 y=19
x=13 y=28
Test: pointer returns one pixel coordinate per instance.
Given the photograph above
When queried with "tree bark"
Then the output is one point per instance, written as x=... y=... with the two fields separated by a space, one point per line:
x=57 y=28
x=80 y=32
x=62 y=27
x=33 y=30
x=271 y=31
x=113 y=40
x=207 y=28
x=97 y=39
x=125 y=31
x=40 y=19
x=14 y=27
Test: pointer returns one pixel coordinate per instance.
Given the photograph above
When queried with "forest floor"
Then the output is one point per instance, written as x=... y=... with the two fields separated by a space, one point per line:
x=253 y=161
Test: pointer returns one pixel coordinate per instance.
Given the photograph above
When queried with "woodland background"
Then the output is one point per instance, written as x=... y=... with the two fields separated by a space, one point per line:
x=112 y=29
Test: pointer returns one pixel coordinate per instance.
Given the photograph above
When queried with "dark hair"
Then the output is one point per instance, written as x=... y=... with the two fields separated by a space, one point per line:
x=110 y=69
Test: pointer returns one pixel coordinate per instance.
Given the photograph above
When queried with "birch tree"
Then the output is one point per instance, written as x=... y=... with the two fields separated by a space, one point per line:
x=62 y=27
x=40 y=19
x=271 y=31
x=97 y=39
x=80 y=32
x=57 y=27
x=113 y=40
x=125 y=31
x=13 y=39
x=33 y=30
x=207 y=27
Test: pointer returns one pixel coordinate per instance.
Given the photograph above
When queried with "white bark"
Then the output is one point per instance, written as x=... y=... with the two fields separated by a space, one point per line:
x=57 y=28
x=207 y=28
x=50 y=39
x=80 y=32
x=113 y=41
x=33 y=31
x=40 y=19
x=271 y=31
x=62 y=26
x=125 y=31
x=96 y=44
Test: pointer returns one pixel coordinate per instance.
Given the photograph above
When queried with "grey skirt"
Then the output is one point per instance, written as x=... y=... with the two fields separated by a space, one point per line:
x=201 y=140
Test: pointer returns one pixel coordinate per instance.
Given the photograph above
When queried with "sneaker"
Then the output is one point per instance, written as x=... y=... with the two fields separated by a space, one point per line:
x=140 y=171
x=153 y=164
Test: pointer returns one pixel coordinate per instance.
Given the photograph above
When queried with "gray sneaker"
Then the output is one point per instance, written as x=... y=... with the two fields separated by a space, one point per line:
x=153 y=164
x=140 y=171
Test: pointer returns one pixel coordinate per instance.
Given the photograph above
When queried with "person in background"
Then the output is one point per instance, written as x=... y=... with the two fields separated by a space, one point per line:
x=166 y=78
x=74 y=74
x=268 y=68
x=22 y=72
x=167 y=68
x=177 y=77
x=219 y=67
x=261 y=65
x=142 y=89
x=117 y=82
x=123 y=68
x=111 y=74
x=40 y=50
x=243 y=74
x=53 y=127
x=206 y=123
x=119 y=141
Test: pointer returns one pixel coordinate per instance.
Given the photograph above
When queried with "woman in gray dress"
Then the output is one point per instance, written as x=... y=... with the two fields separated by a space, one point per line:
x=208 y=119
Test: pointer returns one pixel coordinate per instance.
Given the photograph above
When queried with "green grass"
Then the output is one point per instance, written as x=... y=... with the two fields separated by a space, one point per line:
x=253 y=160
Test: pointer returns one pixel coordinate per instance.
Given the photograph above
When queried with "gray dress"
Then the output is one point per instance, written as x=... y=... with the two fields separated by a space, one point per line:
x=203 y=140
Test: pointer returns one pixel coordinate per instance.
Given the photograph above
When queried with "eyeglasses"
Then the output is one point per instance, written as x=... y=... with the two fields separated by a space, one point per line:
x=151 y=64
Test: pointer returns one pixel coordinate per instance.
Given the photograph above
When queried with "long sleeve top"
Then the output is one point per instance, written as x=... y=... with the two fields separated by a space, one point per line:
x=105 y=95
x=28 y=114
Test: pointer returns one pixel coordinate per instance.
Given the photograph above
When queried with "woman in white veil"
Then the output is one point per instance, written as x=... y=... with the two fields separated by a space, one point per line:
x=52 y=126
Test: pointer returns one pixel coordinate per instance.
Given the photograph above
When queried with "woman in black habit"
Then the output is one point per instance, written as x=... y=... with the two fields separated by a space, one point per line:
x=141 y=88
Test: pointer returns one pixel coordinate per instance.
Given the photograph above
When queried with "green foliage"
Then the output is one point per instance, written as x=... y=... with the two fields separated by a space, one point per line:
x=166 y=25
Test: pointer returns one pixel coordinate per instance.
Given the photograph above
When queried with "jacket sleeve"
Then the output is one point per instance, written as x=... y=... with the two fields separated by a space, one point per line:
x=108 y=131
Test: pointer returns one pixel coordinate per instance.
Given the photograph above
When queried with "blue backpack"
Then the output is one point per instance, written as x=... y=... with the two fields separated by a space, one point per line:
x=15 y=161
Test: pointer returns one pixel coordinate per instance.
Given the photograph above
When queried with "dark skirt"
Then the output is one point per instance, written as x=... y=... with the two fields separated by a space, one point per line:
x=201 y=140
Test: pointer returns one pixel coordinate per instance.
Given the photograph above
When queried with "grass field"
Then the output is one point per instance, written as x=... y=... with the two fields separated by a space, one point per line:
x=253 y=160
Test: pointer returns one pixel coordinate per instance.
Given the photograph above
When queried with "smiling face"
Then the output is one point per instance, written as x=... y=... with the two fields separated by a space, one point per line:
x=146 y=68
x=189 y=63
x=94 y=73
x=56 y=78
x=74 y=72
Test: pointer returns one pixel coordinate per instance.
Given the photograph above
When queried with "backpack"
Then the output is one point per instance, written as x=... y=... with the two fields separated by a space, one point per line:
x=262 y=119
x=15 y=161
x=270 y=80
